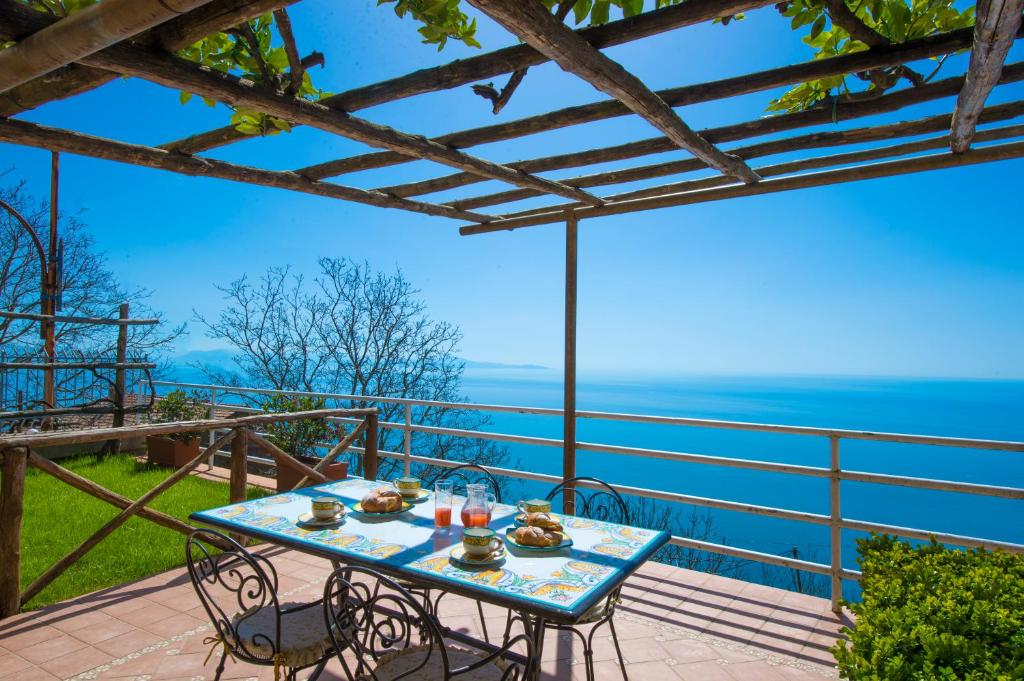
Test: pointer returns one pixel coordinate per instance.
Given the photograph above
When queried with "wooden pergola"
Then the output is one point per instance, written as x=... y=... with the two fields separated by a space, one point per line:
x=53 y=59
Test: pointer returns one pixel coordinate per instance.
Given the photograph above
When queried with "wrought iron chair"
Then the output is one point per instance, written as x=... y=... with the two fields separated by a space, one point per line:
x=392 y=636
x=238 y=590
x=597 y=501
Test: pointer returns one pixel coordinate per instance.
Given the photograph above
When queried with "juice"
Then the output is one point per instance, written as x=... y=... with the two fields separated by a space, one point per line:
x=442 y=517
x=475 y=517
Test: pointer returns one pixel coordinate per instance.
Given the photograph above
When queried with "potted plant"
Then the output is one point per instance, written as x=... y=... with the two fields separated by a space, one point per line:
x=302 y=438
x=176 y=449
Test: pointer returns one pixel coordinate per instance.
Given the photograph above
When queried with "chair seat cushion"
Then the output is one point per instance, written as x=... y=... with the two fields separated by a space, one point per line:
x=399 y=663
x=304 y=636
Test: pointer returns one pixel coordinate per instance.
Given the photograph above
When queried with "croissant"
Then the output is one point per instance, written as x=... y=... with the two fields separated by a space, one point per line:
x=543 y=521
x=382 y=501
x=535 y=536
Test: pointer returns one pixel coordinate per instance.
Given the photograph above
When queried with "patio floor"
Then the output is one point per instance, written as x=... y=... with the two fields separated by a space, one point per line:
x=673 y=623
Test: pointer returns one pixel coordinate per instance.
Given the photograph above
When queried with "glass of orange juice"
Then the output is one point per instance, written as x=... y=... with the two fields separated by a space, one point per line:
x=443 y=490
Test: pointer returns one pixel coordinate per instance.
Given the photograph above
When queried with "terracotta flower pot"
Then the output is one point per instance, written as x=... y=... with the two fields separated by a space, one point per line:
x=289 y=477
x=164 y=451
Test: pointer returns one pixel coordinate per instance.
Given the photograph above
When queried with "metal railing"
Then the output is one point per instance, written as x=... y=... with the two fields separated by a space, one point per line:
x=834 y=473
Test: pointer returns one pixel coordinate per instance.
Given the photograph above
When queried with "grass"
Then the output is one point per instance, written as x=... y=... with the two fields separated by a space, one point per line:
x=58 y=518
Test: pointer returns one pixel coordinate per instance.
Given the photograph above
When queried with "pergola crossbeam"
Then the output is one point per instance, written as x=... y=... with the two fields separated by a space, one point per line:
x=845 y=111
x=83 y=33
x=18 y=21
x=170 y=71
x=54 y=139
x=814 y=140
x=995 y=28
x=492 y=64
x=759 y=81
x=790 y=167
x=1002 y=152
x=532 y=23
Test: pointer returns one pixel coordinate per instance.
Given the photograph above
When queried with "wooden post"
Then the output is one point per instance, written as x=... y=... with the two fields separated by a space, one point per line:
x=370 y=448
x=12 y=493
x=120 y=376
x=239 y=461
x=239 y=472
x=835 y=530
x=569 y=408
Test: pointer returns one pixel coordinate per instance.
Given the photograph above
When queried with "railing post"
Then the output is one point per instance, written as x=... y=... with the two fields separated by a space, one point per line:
x=569 y=401
x=12 y=495
x=408 y=439
x=835 y=530
x=370 y=447
x=213 y=415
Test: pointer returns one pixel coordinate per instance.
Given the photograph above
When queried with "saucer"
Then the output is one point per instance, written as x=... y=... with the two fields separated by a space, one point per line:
x=458 y=556
x=309 y=519
x=422 y=495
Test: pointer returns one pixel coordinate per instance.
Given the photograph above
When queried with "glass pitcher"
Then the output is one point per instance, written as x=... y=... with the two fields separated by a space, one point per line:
x=476 y=512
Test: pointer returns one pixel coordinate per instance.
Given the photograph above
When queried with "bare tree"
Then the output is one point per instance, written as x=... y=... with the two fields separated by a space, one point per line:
x=696 y=524
x=351 y=331
x=90 y=289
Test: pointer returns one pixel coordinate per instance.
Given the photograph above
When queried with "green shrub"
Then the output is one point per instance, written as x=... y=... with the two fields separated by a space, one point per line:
x=301 y=437
x=177 y=406
x=934 y=613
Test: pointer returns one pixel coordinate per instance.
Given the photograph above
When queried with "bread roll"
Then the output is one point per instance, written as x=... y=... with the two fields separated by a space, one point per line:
x=535 y=536
x=382 y=500
x=543 y=521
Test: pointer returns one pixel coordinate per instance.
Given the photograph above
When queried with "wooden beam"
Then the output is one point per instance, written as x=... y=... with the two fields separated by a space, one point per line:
x=789 y=167
x=1000 y=152
x=73 y=437
x=82 y=33
x=825 y=115
x=173 y=72
x=338 y=450
x=531 y=22
x=995 y=28
x=921 y=48
x=21 y=21
x=54 y=139
x=283 y=458
x=58 y=568
x=815 y=140
x=493 y=64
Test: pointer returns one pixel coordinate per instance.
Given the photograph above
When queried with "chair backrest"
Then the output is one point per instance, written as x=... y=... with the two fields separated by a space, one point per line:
x=597 y=501
x=233 y=585
x=372 y=615
x=471 y=474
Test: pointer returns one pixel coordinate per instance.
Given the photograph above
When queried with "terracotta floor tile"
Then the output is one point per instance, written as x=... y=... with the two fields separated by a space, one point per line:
x=685 y=651
x=35 y=674
x=759 y=670
x=703 y=671
x=173 y=625
x=28 y=633
x=77 y=662
x=11 y=663
x=52 y=648
x=153 y=612
x=185 y=665
x=81 y=620
x=127 y=643
x=95 y=633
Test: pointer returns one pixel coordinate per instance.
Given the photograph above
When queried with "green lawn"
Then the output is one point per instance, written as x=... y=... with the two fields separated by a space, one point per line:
x=59 y=518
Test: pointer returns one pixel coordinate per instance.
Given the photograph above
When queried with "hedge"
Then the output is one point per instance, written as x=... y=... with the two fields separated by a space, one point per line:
x=934 y=613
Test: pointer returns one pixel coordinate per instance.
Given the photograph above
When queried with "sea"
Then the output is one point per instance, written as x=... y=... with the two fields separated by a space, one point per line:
x=982 y=409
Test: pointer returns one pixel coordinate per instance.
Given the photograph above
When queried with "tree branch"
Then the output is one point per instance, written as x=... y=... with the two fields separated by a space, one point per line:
x=847 y=19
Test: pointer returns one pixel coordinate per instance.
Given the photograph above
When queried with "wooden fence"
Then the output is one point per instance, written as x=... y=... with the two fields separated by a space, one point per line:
x=17 y=452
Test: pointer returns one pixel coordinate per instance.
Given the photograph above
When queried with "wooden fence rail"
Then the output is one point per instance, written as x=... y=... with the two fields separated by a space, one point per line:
x=17 y=452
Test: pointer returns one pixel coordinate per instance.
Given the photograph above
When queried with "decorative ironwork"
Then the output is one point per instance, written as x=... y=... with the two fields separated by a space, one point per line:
x=471 y=474
x=604 y=504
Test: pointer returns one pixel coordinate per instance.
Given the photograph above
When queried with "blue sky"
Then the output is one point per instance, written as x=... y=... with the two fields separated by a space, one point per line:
x=917 y=275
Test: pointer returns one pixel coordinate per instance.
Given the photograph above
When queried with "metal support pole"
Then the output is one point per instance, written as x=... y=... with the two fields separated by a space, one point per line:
x=212 y=435
x=569 y=409
x=120 y=376
x=408 y=439
x=835 y=530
